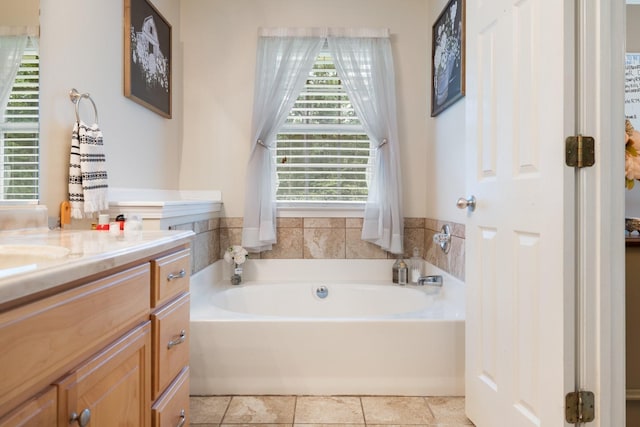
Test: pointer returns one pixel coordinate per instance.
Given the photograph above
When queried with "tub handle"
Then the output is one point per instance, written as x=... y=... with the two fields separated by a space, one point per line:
x=179 y=275
x=179 y=340
x=183 y=418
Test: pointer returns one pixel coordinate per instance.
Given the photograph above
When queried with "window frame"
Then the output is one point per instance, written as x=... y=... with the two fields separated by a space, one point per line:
x=30 y=56
x=325 y=207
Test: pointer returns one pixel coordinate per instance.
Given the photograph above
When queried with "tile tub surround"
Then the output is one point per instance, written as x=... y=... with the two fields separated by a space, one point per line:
x=339 y=238
x=325 y=238
x=317 y=411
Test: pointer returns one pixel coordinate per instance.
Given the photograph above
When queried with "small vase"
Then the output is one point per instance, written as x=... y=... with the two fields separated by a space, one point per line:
x=236 y=275
x=443 y=76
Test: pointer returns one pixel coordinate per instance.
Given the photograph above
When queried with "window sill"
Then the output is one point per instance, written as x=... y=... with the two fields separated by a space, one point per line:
x=320 y=210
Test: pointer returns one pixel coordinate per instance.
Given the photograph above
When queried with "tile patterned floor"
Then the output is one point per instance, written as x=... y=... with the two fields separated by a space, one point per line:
x=327 y=411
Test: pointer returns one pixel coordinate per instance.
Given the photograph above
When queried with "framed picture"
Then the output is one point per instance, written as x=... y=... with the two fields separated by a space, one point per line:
x=147 y=56
x=447 y=57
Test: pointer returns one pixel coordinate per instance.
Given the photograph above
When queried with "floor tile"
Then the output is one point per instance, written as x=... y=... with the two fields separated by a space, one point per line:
x=260 y=409
x=396 y=410
x=332 y=425
x=448 y=410
x=208 y=409
x=328 y=410
x=255 y=425
x=404 y=425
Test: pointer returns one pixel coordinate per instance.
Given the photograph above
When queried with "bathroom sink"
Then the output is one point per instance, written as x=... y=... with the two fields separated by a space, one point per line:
x=15 y=258
x=39 y=251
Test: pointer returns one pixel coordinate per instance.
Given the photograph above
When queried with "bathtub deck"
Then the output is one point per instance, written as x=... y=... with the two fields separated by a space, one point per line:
x=354 y=411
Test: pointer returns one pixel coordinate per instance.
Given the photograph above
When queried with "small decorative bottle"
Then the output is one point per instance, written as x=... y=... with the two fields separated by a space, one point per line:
x=395 y=268
x=403 y=273
x=416 y=265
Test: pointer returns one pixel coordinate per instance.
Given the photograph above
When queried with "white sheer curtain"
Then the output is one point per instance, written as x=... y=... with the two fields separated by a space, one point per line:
x=283 y=63
x=365 y=65
x=11 y=50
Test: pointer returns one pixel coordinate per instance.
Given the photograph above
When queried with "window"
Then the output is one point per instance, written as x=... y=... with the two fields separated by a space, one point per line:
x=322 y=151
x=19 y=133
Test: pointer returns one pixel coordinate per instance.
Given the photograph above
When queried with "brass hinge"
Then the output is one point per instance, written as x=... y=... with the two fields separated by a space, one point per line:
x=579 y=407
x=580 y=151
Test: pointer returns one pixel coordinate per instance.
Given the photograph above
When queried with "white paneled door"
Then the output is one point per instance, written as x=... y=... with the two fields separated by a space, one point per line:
x=520 y=238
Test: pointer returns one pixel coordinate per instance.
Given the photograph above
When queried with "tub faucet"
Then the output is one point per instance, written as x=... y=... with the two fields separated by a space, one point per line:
x=434 y=280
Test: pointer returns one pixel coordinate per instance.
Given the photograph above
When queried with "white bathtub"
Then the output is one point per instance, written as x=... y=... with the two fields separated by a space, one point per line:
x=367 y=336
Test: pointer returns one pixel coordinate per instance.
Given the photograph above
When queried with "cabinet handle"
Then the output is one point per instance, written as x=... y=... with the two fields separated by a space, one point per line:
x=179 y=275
x=82 y=419
x=183 y=418
x=179 y=340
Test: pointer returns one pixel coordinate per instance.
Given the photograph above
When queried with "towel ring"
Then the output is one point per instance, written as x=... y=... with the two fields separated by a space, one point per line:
x=75 y=97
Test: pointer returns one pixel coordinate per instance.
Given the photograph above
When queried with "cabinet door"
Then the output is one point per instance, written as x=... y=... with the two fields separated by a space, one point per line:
x=37 y=412
x=113 y=387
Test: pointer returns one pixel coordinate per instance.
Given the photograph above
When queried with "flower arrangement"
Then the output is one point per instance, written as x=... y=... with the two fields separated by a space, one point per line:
x=447 y=41
x=236 y=254
x=631 y=155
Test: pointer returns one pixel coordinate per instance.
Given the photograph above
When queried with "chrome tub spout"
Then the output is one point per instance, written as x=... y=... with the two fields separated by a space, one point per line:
x=433 y=280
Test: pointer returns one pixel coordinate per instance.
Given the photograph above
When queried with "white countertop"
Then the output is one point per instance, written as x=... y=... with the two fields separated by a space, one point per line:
x=88 y=253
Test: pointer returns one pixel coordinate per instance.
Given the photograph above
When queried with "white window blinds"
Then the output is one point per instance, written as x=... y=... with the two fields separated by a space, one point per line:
x=19 y=133
x=322 y=151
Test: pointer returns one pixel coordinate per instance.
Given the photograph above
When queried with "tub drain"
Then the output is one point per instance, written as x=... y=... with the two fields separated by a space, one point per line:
x=322 y=292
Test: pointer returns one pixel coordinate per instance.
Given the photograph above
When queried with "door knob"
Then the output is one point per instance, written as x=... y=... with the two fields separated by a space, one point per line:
x=469 y=203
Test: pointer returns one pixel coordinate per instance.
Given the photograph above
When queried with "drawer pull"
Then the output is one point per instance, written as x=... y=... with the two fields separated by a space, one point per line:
x=82 y=419
x=179 y=340
x=179 y=275
x=183 y=418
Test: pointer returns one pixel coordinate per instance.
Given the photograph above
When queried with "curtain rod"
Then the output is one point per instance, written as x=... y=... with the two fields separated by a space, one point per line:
x=325 y=32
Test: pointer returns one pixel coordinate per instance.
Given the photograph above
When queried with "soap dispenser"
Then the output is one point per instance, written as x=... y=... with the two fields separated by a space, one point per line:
x=403 y=273
x=415 y=264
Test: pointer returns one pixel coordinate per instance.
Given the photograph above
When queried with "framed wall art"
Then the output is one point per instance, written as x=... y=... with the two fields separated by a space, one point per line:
x=447 y=57
x=147 y=56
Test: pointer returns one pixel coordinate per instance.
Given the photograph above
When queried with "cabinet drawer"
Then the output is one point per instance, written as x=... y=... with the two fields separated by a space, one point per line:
x=37 y=412
x=170 y=342
x=45 y=339
x=172 y=409
x=170 y=277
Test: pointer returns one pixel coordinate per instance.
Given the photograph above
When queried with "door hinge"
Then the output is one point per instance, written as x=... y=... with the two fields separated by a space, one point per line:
x=580 y=151
x=579 y=407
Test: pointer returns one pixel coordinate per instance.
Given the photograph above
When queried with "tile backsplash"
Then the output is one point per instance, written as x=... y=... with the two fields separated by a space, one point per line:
x=326 y=238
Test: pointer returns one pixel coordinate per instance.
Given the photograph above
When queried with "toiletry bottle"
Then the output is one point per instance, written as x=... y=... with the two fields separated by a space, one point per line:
x=403 y=273
x=396 y=266
x=416 y=265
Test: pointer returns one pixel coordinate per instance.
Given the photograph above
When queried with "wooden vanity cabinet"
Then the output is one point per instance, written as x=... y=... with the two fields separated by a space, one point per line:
x=93 y=352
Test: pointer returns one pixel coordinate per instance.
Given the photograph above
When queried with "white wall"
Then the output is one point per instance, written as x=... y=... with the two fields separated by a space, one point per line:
x=82 y=47
x=219 y=38
x=446 y=140
x=206 y=145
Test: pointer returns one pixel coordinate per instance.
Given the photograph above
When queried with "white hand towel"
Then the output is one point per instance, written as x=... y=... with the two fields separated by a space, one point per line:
x=87 y=172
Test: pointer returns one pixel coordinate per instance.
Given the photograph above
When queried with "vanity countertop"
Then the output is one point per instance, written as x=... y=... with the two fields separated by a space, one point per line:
x=37 y=262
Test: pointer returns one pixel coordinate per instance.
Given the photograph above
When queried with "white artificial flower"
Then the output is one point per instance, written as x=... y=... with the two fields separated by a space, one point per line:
x=453 y=11
x=235 y=254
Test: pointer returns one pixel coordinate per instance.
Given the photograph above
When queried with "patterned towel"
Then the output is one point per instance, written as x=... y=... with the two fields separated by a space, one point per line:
x=87 y=172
